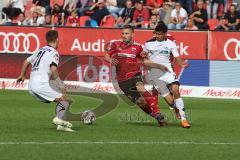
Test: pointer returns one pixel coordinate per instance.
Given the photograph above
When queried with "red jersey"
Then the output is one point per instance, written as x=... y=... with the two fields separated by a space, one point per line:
x=73 y=21
x=129 y=59
x=140 y=16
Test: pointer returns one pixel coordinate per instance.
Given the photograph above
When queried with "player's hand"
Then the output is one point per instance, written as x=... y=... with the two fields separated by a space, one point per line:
x=20 y=79
x=185 y=64
x=114 y=61
x=163 y=68
x=143 y=54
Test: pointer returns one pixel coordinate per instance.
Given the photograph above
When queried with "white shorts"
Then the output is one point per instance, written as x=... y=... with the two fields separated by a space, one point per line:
x=169 y=77
x=159 y=84
x=45 y=94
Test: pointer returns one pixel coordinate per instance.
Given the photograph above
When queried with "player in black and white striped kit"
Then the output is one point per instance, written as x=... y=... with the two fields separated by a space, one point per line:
x=44 y=66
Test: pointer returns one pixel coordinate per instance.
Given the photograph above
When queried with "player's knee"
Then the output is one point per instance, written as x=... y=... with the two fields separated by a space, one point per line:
x=175 y=90
x=141 y=102
x=169 y=99
x=65 y=98
x=140 y=87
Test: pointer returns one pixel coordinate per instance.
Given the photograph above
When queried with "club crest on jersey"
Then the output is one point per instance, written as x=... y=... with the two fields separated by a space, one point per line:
x=134 y=49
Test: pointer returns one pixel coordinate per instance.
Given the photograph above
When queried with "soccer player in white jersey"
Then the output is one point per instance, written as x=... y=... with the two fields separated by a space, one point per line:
x=44 y=66
x=159 y=50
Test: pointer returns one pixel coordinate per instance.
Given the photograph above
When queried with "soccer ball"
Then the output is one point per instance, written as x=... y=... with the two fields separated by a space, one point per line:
x=88 y=117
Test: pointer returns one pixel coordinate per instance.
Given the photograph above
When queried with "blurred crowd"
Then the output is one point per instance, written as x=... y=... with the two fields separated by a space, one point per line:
x=177 y=14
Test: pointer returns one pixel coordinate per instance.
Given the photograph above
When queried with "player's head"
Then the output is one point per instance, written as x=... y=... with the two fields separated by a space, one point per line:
x=127 y=33
x=160 y=31
x=52 y=38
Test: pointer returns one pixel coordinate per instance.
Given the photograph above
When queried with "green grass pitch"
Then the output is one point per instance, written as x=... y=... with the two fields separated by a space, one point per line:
x=26 y=132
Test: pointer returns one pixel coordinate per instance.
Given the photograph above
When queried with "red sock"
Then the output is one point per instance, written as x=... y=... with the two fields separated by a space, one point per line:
x=152 y=102
x=155 y=92
x=155 y=95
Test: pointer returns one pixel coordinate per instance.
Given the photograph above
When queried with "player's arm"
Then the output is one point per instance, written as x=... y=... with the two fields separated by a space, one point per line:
x=111 y=60
x=23 y=71
x=147 y=62
x=174 y=51
x=55 y=76
x=151 y=64
x=54 y=72
x=182 y=63
x=110 y=49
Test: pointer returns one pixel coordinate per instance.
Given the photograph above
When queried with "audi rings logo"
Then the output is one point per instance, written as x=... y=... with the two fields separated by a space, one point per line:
x=236 y=49
x=18 y=40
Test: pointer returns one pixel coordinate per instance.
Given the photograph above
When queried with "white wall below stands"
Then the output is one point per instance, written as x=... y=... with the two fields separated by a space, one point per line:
x=97 y=87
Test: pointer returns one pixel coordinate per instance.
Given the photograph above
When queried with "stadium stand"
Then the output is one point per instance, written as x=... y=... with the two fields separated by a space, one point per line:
x=60 y=11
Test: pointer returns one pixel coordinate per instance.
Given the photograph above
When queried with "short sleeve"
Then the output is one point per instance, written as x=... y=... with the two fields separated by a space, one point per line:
x=111 y=47
x=31 y=59
x=55 y=59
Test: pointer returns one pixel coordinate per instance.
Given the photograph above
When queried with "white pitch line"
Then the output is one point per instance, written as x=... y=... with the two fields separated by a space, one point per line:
x=122 y=142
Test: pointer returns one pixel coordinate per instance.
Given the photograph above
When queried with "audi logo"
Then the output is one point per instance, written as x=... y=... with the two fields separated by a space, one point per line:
x=237 y=49
x=16 y=42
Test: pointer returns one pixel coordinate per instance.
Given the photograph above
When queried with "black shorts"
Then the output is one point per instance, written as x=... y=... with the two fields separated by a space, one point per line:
x=129 y=87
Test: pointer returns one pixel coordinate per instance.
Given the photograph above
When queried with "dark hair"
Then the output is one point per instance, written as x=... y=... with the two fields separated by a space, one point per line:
x=51 y=36
x=128 y=27
x=161 y=27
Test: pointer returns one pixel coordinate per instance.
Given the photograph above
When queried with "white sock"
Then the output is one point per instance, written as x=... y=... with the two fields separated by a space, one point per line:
x=180 y=106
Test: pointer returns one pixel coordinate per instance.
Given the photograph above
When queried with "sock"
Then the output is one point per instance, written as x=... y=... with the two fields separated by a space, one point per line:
x=180 y=106
x=152 y=102
x=156 y=109
x=61 y=109
x=155 y=92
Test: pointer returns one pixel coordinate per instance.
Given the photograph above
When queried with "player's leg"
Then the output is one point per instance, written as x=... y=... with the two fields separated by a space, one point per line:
x=150 y=100
x=151 y=103
x=174 y=88
x=48 y=94
x=128 y=87
x=170 y=79
x=62 y=107
x=130 y=90
x=61 y=110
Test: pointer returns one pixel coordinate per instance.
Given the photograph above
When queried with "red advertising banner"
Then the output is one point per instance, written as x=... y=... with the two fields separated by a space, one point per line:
x=91 y=41
x=224 y=46
x=191 y=45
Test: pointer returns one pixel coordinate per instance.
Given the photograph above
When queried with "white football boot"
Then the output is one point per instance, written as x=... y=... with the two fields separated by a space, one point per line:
x=58 y=121
x=66 y=129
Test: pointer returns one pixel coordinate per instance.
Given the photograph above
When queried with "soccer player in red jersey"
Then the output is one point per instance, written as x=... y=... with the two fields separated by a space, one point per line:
x=127 y=56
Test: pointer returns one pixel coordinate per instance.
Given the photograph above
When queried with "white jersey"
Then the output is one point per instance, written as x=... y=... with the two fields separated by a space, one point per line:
x=160 y=51
x=41 y=61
